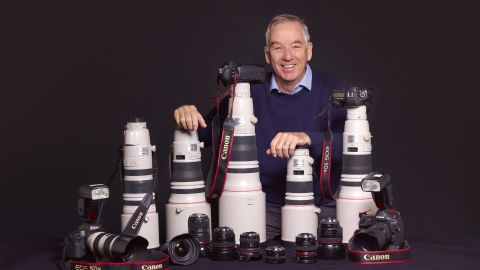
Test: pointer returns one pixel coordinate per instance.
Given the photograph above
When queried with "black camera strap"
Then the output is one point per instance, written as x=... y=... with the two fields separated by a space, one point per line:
x=326 y=163
x=222 y=143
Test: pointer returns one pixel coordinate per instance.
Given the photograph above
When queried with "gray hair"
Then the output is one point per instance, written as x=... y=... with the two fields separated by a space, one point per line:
x=283 y=18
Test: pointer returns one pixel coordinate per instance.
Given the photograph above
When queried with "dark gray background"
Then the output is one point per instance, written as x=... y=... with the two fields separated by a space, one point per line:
x=72 y=74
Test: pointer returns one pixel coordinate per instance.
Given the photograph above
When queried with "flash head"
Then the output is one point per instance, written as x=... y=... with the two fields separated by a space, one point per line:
x=94 y=192
x=375 y=182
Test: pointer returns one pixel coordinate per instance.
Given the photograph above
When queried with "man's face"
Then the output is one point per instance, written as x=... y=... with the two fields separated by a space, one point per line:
x=288 y=53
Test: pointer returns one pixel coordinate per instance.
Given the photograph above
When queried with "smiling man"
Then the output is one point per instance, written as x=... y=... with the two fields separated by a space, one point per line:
x=286 y=106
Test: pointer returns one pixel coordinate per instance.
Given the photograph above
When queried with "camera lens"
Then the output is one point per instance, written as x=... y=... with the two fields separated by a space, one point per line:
x=373 y=238
x=275 y=254
x=330 y=236
x=117 y=248
x=223 y=244
x=305 y=248
x=183 y=249
x=199 y=226
x=249 y=248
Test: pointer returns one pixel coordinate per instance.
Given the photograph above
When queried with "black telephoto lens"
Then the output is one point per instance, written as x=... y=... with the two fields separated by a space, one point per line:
x=183 y=249
x=199 y=226
x=222 y=247
x=305 y=248
x=275 y=254
x=330 y=246
x=249 y=248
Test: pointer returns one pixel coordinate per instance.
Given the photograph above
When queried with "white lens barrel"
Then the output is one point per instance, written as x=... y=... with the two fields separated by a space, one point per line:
x=299 y=214
x=138 y=180
x=357 y=163
x=242 y=204
x=187 y=189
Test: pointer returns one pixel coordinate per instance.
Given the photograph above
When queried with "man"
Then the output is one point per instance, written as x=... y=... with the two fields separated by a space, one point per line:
x=286 y=106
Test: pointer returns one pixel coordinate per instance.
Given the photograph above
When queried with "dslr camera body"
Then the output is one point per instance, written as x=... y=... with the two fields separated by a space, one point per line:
x=382 y=231
x=385 y=230
x=351 y=97
x=231 y=72
x=90 y=243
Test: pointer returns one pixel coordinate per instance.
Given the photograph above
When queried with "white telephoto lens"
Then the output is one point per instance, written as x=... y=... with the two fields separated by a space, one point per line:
x=357 y=163
x=187 y=188
x=242 y=204
x=299 y=214
x=138 y=179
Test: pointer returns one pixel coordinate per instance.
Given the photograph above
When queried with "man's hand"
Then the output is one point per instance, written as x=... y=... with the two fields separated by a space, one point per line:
x=188 y=117
x=284 y=143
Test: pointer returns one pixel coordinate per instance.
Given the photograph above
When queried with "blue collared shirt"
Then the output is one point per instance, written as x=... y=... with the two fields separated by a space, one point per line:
x=305 y=83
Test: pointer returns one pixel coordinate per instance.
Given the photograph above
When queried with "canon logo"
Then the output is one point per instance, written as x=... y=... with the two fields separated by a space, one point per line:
x=226 y=143
x=152 y=267
x=327 y=159
x=370 y=257
x=137 y=220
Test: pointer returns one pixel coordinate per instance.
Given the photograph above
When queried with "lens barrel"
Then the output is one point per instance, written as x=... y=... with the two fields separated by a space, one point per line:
x=373 y=238
x=222 y=247
x=199 y=226
x=242 y=188
x=249 y=248
x=305 y=248
x=183 y=249
x=138 y=180
x=187 y=188
x=117 y=247
x=330 y=246
x=275 y=254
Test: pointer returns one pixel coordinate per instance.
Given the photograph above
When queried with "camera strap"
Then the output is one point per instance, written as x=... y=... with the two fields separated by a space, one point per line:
x=379 y=257
x=326 y=163
x=222 y=143
x=156 y=260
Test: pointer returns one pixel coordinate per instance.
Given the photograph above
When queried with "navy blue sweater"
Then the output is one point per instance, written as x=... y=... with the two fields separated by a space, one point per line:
x=278 y=112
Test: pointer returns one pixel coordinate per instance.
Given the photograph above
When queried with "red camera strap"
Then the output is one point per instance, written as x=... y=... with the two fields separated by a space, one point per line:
x=326 y=167
x=221 y=148
x=326 y=164
x=379 y=257
x=158 y=260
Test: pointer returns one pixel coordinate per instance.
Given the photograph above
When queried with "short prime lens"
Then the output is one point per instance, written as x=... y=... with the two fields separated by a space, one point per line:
x=305 y=248
x=275 y=254
x=222 y=247
x=249 y=248
x=199 y=226
x=330 y=246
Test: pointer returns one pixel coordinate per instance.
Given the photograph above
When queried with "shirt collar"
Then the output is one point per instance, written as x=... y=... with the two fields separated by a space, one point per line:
x=305 y=83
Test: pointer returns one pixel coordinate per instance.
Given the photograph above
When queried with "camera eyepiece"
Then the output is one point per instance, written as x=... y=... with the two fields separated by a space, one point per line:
x=275 y=254
x=305 y=248
x=249 y=248
x=222 y=247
